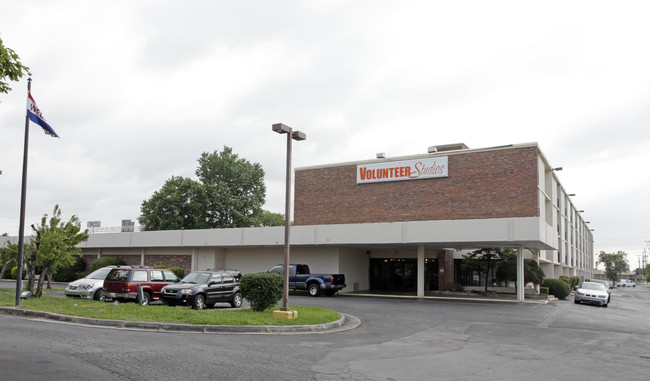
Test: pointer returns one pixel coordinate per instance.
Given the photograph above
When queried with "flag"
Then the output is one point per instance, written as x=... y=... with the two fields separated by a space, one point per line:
x=36 y=116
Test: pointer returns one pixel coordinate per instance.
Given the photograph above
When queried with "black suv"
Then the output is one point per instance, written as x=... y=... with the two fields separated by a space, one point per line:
x=202 y=289
x=122 y=283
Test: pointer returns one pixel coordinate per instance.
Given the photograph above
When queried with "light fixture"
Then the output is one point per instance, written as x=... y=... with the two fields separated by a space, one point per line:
x=281 y=128
x=571 y=194
x=581 y=211
x=557 y=169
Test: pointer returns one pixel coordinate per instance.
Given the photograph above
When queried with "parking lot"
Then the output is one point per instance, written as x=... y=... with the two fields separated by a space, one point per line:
x=398 y=339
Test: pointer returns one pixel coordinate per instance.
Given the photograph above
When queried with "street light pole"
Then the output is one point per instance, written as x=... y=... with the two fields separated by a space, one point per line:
x=291 y=135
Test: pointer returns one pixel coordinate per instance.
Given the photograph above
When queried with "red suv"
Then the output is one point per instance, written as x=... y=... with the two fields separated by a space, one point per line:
x=122 y=283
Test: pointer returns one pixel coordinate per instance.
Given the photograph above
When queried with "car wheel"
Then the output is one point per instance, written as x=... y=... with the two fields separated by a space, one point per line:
x=236 y=300
x=98 y=295
x=198 y=303
x=314 y=289
x=146 y=298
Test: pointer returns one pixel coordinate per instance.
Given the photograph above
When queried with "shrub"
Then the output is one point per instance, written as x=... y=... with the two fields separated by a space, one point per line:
x=14 y=272
x=159 y=267
x=179 y=271
x=262 y=290
x=70 y=273
x=106 y=261
x=575 y=280
x=458 y=287
x=565 y=278
x=556 y=287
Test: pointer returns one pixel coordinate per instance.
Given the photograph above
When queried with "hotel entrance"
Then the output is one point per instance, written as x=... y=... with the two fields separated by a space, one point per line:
x=400 y=274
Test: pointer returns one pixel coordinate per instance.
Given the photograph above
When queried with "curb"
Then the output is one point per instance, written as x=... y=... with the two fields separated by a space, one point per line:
x=454 y=298
x=335 y=326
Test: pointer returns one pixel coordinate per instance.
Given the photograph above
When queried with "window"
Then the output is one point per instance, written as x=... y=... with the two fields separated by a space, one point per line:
x=118 y=275
x=277 y=270
x=139 y=276
x=157 y=276
x=227 y=278
x=216 y=278
x=170 y=276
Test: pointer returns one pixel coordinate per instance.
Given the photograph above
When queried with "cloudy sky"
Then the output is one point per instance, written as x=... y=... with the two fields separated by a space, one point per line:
x=137 y=90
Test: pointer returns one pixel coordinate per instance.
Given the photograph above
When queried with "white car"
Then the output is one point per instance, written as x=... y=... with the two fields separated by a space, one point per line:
x=592 y=293
x=625 y=283
x=89 y=287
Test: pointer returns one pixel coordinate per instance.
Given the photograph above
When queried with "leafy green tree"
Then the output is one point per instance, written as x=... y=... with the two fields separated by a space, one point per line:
x=615 y=264
x=235 y=187
x=485 y=260
x=10 y=67
x=53 y=246
x=230 y=193
x=180 y=204
x=8 y=257
x=271 y=219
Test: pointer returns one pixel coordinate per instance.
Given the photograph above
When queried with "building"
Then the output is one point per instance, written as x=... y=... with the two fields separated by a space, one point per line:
x=394 y=223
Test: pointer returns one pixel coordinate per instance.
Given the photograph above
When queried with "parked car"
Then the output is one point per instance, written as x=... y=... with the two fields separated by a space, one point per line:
x=202 y=289
x=625 y=283
x=300 y=278
x=90 y=286
x=122 y=283
x=592 y=293
x=605 y=283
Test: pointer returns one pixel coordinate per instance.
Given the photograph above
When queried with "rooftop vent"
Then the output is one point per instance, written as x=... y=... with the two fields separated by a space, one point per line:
x=381 y=155
x=432 y=149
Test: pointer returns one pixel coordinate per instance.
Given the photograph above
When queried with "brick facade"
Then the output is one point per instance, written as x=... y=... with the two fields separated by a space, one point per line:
x=499 y=183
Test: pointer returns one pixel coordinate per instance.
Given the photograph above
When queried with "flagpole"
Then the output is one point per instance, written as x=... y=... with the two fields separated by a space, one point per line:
x=23 y=198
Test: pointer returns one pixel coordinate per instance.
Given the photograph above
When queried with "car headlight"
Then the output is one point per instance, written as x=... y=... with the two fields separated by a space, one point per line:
x=579 y=293
x=186 y=292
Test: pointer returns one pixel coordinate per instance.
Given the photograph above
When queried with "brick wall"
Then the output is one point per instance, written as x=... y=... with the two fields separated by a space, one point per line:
x=182 y=261
x=488 y=184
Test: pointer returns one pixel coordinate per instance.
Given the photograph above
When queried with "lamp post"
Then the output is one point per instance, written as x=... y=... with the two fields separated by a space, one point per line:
x=291 y=135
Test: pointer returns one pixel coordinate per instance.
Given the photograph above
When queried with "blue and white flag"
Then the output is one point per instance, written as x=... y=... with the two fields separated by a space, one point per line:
x=36 y=116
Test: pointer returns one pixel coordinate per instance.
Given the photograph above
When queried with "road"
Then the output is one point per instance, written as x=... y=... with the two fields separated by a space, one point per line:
x=397 y=340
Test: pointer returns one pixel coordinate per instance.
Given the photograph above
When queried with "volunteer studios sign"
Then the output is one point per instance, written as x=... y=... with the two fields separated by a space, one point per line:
x=402 y=170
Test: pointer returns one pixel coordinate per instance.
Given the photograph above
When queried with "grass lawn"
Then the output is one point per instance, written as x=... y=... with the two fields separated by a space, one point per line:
x=158 y=313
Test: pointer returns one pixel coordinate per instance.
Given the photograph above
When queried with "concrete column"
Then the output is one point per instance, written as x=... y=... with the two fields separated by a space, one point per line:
x=143 y=252
x=520 y=273
x=421 y=270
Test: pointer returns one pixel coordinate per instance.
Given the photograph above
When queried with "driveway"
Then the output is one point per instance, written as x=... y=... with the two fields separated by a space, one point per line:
x=398 y=339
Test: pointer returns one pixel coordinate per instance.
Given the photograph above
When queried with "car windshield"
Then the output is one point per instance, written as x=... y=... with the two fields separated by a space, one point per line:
x=99 y=274
x=593 y=286
x=197 y=278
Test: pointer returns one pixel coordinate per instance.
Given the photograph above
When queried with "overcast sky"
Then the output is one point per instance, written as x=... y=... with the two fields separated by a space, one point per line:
x=137 y=90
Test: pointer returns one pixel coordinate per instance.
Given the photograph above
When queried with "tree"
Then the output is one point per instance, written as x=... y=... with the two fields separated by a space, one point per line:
x=271 y=219
x=180 y=204
x=53 y=246
x=8 y=257
x=484 y=261
x=10 y=67
x=235 y=187
x=230 y=193
x=615 y=264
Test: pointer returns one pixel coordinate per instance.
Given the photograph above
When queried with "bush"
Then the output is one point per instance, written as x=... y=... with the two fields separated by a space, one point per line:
x=565 y=278
x=575 y=280
x=106 y=261
x=70 y=273
x=179 y=271
x=14 y=272
x=262 y=290
x=458 y=287
x=556 y=287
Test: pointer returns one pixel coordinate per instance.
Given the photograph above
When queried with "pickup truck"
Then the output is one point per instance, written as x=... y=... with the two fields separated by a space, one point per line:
x=301 y=279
